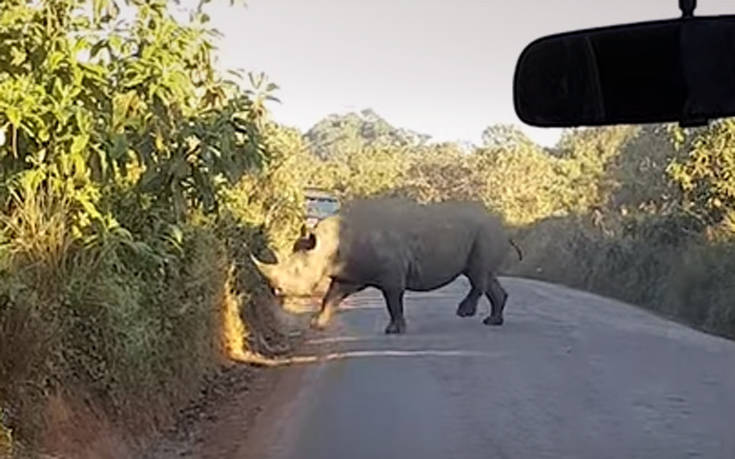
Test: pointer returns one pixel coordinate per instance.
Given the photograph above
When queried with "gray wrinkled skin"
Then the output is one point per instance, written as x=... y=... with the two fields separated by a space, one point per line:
x=395 y=245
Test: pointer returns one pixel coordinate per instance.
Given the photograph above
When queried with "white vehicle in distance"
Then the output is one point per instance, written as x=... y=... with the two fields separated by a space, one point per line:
x=320 y=204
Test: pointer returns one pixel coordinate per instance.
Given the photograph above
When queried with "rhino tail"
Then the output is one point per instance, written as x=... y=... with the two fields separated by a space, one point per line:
x=518 y=249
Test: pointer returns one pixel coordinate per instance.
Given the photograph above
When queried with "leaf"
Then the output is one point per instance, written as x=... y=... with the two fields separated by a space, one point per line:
x=44 y=135
x=119 y=146
x=80 y=44
x=178 y=199
x=150 y=180
x=14 y=116
x=159 y=141
x=54 y=59
x=115 y=43
x=176 y=234
x=90 y=209
x=97 y=47
x=236 y=73
x=180 y=168
x=97 y=7
x=79 y=144
x=180 y=81
x=19 y=56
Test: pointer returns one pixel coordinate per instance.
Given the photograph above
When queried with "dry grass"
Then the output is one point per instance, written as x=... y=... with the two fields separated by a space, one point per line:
x=233 y=336
x=130 y=329
x=6 y=441
x=37 y=231
x=683 y=277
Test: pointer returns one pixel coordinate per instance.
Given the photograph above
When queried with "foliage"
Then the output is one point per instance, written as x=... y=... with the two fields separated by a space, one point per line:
x=119 y=141
x=637 y=178
x=353 y=132
x=707 y=175
x=367 y=172
x=273 y=198
x=526 y=184
x=505 y=136
x=440 y=172
x=84 y=104
x=649 y=263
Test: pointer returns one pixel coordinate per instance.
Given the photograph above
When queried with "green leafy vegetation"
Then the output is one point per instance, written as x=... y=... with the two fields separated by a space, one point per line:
x=120 y=142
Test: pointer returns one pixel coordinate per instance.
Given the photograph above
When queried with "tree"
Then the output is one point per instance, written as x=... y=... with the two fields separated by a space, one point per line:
x=354 y=131
x=707 y=175
x=145 y=107
x=637 y=179
x=506 y=136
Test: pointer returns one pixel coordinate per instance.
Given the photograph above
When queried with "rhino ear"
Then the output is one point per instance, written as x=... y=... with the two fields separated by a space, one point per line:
x=305 y=243
x=302 y=231
x=310 y=241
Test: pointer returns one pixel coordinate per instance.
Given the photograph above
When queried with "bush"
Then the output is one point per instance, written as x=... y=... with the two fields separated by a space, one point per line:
x=119 y=285
x=685 y=277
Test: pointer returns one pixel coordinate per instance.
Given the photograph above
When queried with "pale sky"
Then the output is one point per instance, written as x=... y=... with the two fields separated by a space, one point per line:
x=440 y=67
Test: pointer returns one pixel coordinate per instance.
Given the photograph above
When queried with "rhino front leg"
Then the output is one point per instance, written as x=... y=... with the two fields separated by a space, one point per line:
x=497 y=296
x=336 y=292
x=394 y=303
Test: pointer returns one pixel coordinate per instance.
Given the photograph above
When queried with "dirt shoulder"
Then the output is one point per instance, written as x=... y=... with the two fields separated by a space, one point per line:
x=217 y=424
x=213 y=425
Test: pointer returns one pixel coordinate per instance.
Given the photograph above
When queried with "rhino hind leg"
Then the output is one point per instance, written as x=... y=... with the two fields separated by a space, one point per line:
x=394 y=303
x=468 y=306
x=497 y=296
x=477 y=275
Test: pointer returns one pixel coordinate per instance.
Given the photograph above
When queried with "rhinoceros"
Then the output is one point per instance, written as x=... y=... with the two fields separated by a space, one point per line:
x=396 y=245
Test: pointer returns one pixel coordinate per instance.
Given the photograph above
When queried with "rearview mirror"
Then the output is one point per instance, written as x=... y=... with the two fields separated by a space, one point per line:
x=680 y=70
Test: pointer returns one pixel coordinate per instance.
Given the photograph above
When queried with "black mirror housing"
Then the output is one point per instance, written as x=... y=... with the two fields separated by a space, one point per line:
x=680 y=70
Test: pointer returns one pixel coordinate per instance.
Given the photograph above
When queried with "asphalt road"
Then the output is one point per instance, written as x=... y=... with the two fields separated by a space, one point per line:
x=569 y=375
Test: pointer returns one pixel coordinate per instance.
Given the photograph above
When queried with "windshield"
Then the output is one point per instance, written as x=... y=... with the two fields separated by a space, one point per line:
x=170 y=285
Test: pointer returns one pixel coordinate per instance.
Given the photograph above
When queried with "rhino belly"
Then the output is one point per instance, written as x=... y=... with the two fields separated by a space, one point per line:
x=436 y=259
x=425 y=277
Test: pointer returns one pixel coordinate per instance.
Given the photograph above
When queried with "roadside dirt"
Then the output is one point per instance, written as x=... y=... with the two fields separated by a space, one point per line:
x=217 y=423
x=212 y=426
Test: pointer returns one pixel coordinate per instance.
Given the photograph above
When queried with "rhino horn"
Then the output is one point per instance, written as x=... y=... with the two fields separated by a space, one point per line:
x=267 y=269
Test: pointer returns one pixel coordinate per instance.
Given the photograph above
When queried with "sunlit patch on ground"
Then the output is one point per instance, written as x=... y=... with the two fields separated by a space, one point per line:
x=6 y=440
x=303 y=359
x=234 y=332
x=300 y=305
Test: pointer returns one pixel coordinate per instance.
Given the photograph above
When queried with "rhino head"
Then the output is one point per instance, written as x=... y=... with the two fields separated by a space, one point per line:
x=301 y=272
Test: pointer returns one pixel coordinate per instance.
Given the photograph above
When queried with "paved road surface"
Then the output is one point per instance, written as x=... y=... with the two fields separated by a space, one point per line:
x=569 y=375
